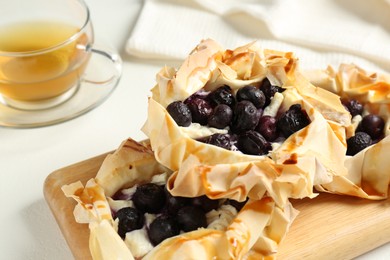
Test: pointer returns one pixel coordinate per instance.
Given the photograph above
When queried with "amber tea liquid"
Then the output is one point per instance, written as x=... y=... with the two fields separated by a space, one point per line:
x=43 y=75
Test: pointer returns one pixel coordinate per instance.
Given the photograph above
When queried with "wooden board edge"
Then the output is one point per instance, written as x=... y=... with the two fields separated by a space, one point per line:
x=339 y=241
x=62 y=207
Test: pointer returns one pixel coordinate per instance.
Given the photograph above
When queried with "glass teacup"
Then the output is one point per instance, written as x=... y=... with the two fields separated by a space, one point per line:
x=45 y=48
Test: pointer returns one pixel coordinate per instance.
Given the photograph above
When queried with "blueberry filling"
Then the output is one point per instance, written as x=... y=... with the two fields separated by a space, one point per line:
x=161 y=228
x=205 y=203
x=226 y=141
x=173 y=215
x=353 y=106
x=180 y=113
x=249 y=131
x=269 y=90
x=293 y=120
x=252 y=142
x=245 y=117
x=373 y=125
x=252 y=94
x=369 y=131
x=267 y=128
x=200 y=110
x=191 y=218
x=222 y=95
x=149 y=198
x=221 y=116
x=358 y=142
x=129 y=219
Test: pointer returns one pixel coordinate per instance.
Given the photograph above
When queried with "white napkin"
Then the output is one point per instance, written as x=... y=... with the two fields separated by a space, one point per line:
x=320 y=32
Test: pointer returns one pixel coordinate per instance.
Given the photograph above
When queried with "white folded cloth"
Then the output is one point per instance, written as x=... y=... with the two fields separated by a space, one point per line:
x=319 y=32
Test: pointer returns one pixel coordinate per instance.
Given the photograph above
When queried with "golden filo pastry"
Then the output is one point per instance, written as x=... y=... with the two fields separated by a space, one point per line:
x=252 y=233
x=368 y=170
x=262 y=179
x=303 y=156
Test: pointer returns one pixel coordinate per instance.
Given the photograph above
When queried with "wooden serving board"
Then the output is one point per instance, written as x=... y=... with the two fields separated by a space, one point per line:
x=327 y=227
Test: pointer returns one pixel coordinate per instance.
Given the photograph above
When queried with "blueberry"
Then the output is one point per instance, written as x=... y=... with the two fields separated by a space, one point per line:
x=293 y=120
x=204 y=139
x=200 y=110
x=191 y=218
x=149 y=198
x=252 y=94
x=174 y=203
x=222 y=95
x=129 y=219
x=251 y=142
x=199 y=94
x=161 y=228
x=221 y=116
x=225 y=141
x=205 y=203
x=180 y=113
x=267 y=128
x=358 y=142
x=372 y=125
x=269 y=90
x=236 y=204
x=354 y=107
x=245 y=117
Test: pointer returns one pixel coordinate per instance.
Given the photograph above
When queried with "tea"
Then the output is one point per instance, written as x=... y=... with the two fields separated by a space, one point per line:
x=31 y=69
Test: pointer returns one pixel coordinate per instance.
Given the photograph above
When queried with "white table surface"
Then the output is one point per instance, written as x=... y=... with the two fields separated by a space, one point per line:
x=27 y=156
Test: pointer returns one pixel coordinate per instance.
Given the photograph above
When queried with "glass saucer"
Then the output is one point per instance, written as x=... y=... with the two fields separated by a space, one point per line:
x=101 y=78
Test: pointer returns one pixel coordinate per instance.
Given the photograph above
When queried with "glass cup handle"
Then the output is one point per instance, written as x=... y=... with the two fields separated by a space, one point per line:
x=115 y=60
